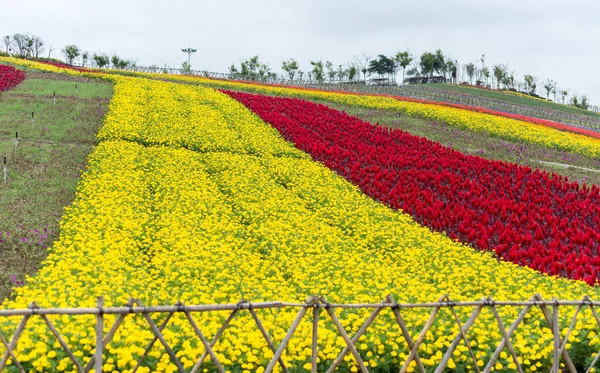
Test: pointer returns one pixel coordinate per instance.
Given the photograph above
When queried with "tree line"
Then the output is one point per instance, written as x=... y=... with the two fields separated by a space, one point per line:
x=428 y=67
x=34 y=47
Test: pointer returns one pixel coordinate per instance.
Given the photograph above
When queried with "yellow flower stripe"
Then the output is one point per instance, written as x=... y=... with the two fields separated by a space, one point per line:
x=50 y=68
x=202 y=221
x=197 y=118
x=508 y=92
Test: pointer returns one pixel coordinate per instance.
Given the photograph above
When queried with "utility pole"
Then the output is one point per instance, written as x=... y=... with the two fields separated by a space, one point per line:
x=189 y=52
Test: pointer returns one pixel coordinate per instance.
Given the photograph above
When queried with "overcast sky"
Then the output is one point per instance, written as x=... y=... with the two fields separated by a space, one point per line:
x=549 y=39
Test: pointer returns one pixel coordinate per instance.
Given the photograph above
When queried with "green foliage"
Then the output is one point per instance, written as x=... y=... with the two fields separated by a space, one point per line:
x=317 y=71
x=383 y=65
x=290 y=67
x=352 y=72
x=101 y=60
x=470 y=67
x=549 y=85
x=186 y=68
x=403 y=59
x=71 y=52
x=530 y=84
x=427 y=63
x=252 y=69
x=499 y=74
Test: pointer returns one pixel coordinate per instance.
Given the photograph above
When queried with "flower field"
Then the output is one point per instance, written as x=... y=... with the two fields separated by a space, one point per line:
x=556 y=136
x=10 y=77
x=525 y=216
x=191 y=197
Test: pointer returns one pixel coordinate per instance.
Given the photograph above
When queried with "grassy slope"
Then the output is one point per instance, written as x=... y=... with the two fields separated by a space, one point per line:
x=44 y=171
x=514 y=99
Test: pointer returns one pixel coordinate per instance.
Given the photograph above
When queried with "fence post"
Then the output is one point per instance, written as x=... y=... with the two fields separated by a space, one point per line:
x=315 y=340
x=99 y=335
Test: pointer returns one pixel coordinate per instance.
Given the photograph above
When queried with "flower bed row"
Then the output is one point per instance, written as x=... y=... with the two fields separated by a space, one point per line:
x=10 y=77
x=497 y=125
x=166 y=217
x=527 y=217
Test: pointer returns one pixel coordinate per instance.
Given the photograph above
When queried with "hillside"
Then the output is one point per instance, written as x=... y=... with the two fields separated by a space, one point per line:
x=221 y=208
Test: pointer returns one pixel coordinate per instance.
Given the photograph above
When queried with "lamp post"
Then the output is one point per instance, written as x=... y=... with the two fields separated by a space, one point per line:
x=189 y=51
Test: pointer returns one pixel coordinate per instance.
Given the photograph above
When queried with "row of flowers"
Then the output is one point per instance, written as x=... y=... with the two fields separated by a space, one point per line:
x=541 y=133
x=10 y=77
x=528 y=217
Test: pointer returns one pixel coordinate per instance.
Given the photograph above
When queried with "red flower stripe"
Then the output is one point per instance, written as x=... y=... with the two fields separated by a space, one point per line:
x=526 y=216
x=10 y=77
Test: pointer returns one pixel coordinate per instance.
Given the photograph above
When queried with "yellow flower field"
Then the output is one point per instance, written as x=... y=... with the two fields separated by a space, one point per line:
x=191 y=197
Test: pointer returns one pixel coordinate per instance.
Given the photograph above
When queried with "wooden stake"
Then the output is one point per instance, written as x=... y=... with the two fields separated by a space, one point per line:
x=315 y=339
x=99 y=336
x=287 y=337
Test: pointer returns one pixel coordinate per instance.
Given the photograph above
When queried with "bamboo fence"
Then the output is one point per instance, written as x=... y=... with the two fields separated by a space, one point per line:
x=317 y=308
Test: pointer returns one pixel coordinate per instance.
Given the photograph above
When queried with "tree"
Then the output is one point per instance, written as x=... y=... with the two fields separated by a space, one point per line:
x=330 y=70
x=7 y=43
x=449 y=69
x=580 y=103
x=116 y=61
x=362 y=63
x=470 y=67
x=291 y=68
x=482 y=59
x=341 y=73
x=252 y=68
x=85 y=56
x=21 y=44
x=186 y=68
x=264 y=72
x=584 y=104
x=563 y=94
x=382 y=65
x=101 y=60
x=554 y=93
x=574 y=101
x=38 y=46
x=486 y=74
x=499 y=73
x=549 y=86
x=403 y=59
x=50 y=49
x=530 y=84
x=317 y=71
x=439 y=62
x=428 y=63
x=71 y=52
x=352 y=72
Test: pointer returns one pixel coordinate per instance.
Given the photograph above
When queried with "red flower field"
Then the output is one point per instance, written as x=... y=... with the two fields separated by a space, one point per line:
x=10 y=77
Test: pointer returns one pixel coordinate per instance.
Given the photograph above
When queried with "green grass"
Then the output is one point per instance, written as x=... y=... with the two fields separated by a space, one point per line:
x=44 y=170
x=498 y=95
